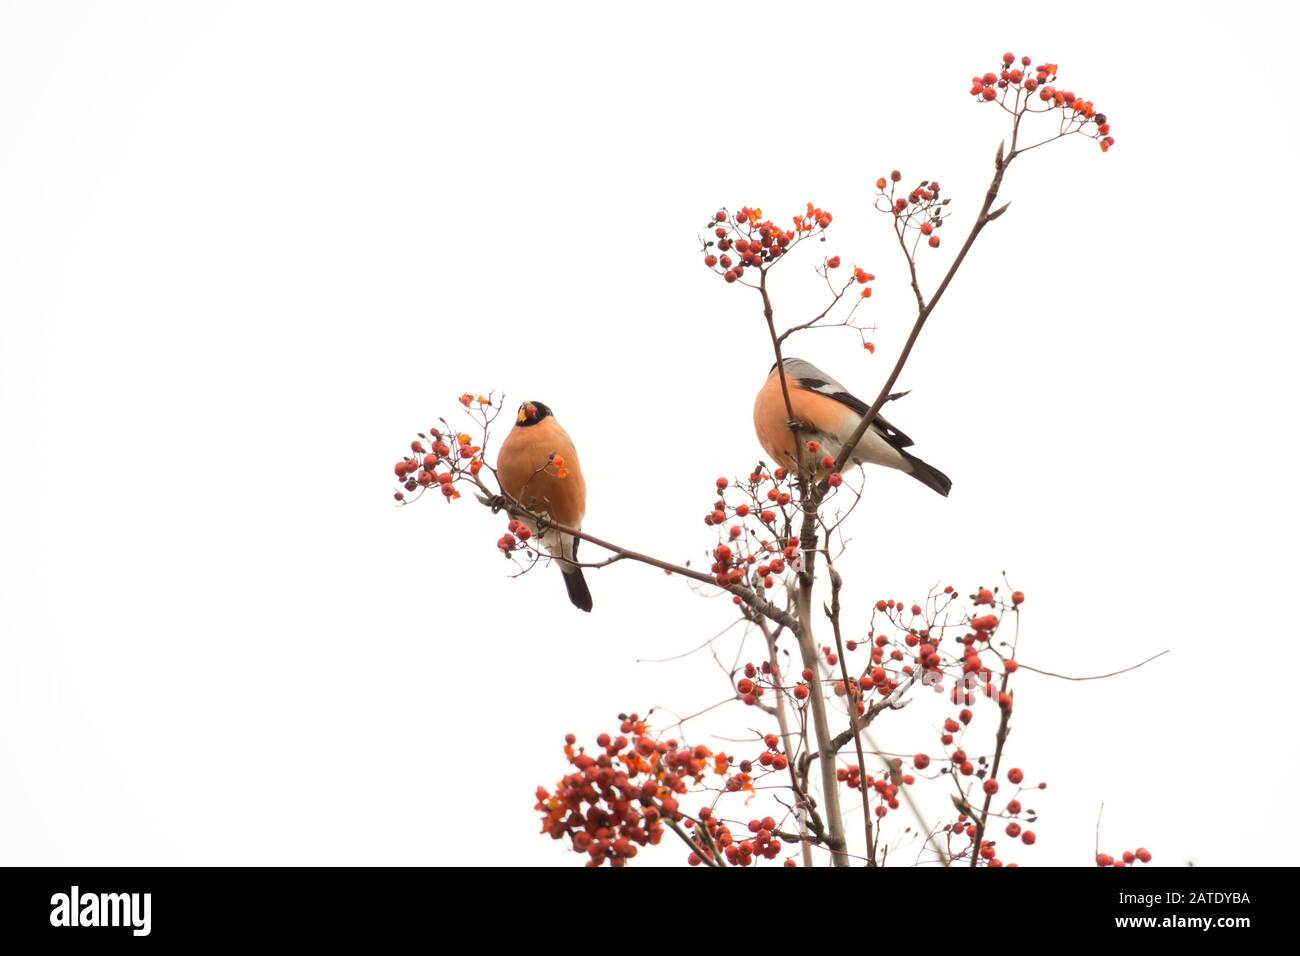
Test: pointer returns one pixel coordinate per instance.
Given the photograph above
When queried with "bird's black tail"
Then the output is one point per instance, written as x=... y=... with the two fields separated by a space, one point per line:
x=577 y=587
x=574 y=582
x=928 y=475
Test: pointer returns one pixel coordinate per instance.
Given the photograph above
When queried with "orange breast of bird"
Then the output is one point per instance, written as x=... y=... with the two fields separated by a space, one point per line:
x=530 y=475
x=821 y=418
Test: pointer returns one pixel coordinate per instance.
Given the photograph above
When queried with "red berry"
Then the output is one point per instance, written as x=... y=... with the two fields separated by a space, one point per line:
x=990 y=787
x=833 y=262
x=1017 y=597
x=1008 y=58
x=934 y=242
x=896 y=175
x=1015 y=775
x=1028 y=837
x=921 y=761
x=1143 y=854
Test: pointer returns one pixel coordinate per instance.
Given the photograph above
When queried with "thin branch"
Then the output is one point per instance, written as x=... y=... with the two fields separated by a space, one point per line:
x=706 y=857
x=1096 y=676
x=544 y=521
x=983 y=219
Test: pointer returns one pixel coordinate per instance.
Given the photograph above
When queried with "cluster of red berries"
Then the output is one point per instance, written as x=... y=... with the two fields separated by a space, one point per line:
x=920 y=208
x=750 y=557
x=772 y=757
x=617 y=797
x=756 y=242
x=886 y=787
x=714 y=836
x=516 y=536
x=421 y=469
x=750 y=686
x=1012 y=79
x=1127 y=858
x=454 y=453
x=623 y=794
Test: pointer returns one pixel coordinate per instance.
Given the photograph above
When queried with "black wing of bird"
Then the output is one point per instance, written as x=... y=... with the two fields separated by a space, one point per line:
x=833 y=389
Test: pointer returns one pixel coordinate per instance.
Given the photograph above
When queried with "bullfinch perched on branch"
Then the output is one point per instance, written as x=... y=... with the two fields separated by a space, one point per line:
x=826 y=412
x=538 y=467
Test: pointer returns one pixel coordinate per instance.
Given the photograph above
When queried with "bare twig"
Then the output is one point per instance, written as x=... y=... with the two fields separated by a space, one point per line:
x=1095 y=676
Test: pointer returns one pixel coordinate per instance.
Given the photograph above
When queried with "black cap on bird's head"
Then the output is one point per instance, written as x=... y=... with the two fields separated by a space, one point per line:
x=530 y=413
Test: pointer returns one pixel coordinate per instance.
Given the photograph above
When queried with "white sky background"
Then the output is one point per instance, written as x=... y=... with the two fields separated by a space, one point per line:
x=246 y=250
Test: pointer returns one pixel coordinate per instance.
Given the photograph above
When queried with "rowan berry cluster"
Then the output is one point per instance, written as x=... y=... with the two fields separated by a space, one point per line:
x=1127 y=858
x=444 y=456
x=1013 y=86
x=622 y=794
x=746 y=240
x=757 y=545
x=614 y=802
x=516 y=537
x=713 y=835
x=919 y=208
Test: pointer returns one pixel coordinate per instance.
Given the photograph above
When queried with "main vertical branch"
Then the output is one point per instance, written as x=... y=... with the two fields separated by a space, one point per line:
x=852 y=694
x=809 y=498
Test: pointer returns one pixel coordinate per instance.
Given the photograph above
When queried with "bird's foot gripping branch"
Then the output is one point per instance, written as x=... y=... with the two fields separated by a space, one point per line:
x=949 y=796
